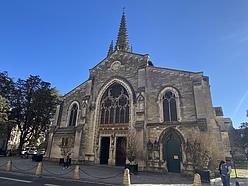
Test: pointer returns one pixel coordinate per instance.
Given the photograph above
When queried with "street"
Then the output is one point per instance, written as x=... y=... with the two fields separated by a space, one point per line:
x=23 y=180
x=23 y=172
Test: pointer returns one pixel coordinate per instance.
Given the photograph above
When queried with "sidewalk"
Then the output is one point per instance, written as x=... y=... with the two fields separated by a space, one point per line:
x=103 y=174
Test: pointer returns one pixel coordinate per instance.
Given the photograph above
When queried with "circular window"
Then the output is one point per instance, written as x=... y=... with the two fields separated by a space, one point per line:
x=115 y=65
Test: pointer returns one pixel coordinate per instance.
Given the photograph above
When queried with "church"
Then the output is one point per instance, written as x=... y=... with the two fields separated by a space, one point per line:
x=130 y=111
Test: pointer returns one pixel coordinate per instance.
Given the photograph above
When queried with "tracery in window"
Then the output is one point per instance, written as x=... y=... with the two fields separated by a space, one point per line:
x=115 y=105
x=169 y=106
x=73 y=115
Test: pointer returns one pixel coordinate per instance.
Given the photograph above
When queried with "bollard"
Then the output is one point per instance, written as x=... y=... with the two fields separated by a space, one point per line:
x=126 y=178
x=39 y=170
x=76 y=173
x=8 y=166
x=197 y=180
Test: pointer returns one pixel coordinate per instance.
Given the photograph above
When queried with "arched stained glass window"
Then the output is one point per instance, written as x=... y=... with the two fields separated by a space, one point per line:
x=115 y=105
x=73 y=115
x=169 y=106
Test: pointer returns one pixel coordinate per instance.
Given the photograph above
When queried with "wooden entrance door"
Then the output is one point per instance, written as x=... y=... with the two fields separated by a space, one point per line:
x=173 y=155
x=120 y=151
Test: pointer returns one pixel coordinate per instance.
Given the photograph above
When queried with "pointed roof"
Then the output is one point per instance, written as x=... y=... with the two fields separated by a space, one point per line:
x=111 y=50
x=122 y=38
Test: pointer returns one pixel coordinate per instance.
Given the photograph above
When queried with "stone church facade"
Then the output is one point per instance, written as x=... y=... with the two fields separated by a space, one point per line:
x=166 y=114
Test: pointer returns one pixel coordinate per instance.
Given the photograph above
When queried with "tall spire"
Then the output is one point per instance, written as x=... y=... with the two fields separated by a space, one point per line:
x=111 y=50
x=122 y=38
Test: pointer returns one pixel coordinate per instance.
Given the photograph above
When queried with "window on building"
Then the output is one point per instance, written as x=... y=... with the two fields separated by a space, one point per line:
x=115 y=105
x=64 y=142
x=169 y=106
x=73 y=115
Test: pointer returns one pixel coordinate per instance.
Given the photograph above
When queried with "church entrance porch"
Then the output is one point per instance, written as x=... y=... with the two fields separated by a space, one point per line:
x=165 y=155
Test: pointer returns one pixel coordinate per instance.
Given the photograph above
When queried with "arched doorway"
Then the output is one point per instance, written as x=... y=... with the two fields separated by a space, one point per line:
x=172 y=141
x=104 y=154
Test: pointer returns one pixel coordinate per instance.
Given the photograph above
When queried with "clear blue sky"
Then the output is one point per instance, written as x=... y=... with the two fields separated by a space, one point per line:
x=60 y=40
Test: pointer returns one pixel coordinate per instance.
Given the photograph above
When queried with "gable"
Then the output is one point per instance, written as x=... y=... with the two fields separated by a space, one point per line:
x=119 y=62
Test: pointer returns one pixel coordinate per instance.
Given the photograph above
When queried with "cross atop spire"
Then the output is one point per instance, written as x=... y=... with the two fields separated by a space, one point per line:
x=122 y=38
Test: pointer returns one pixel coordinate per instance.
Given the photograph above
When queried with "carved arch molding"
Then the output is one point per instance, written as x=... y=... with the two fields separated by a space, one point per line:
x=166 y=135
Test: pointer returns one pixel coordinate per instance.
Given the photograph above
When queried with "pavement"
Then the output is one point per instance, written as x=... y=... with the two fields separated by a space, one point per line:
x=104 y=174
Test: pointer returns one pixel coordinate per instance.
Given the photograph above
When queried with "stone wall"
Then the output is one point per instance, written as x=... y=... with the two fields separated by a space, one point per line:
x=145 y=85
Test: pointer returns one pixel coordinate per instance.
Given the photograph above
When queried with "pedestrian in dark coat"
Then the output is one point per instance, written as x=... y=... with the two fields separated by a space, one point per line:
x=219 y=167
x=225 y=173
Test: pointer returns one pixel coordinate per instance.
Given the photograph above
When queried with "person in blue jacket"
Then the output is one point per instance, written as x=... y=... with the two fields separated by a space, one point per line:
x=225 y=173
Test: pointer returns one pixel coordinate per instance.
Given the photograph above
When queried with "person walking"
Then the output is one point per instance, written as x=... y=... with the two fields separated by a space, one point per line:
x=66 y=161
x=220 y=162
x=246 y=153
x=225 y=173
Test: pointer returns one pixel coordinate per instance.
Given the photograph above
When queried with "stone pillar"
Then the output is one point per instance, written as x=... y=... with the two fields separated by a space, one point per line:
x=39 y=169
x=112 y=150
x=90 y=155
x=199 y=100
x=126 y=178
x=76 y=175
x=197 y=180
x=77 y=141
x=8 y=166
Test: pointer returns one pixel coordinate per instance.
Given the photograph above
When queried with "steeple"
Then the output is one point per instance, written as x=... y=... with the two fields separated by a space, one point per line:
x=122 y=38
x=111 y=50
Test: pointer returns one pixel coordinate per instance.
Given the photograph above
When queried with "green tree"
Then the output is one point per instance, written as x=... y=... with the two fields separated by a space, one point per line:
x=3 y=110
x=33 y=105
x=6 y=87
x=3 y=117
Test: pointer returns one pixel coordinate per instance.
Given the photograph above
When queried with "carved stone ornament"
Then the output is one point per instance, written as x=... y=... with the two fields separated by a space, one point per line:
x=115 y=65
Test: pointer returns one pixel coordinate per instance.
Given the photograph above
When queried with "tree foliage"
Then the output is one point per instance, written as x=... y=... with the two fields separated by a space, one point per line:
x=3 y=110
x=6 y=125
x=6 y=85
x=244 y=134
x=32 y=103
x=198 y=153
x=133 y=145
x=66 y=145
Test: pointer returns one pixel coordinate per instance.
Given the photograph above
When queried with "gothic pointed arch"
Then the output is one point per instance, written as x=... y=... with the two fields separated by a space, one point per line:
x=140 y=103
x=169 y=105
x=165 y=135
x=114 y=103
x=73 y=114
x=172 y=144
